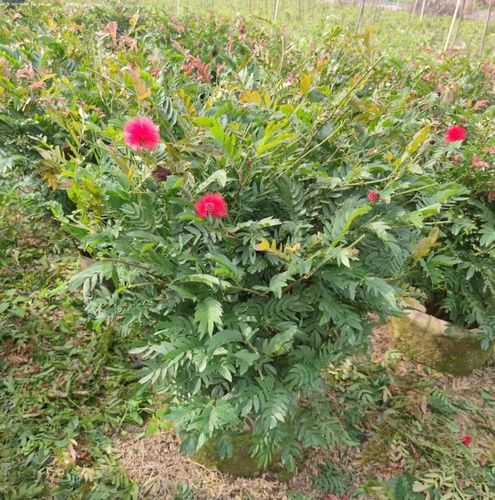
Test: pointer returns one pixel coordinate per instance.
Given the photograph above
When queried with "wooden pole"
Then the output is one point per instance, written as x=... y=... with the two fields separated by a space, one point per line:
x=360 y=18
x=485 y=31
x=454 y=16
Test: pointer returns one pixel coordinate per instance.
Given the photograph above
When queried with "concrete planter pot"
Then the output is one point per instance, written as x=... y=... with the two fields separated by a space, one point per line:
x=439 y=344
x=241 y=464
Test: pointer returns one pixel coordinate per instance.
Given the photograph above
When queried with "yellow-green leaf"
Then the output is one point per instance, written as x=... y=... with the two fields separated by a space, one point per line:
x=250 y=96
x=425 y=245
x=262 y=246
x=305 y=84
x=418 y=140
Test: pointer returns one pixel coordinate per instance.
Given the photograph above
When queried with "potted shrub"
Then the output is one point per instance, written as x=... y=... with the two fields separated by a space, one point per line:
x=246 y=282
x=453 y=268
x=248 y=241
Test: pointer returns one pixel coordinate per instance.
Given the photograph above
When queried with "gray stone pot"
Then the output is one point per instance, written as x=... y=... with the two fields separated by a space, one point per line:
x=439 y=344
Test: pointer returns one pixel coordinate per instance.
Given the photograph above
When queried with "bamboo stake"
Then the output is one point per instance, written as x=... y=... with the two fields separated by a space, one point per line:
x=178 y=8
x=275 y=13
x=414 y=8
x=485 y=31
x=449 y=34
x=458 y=30
x=360 y=18
x=423 y=10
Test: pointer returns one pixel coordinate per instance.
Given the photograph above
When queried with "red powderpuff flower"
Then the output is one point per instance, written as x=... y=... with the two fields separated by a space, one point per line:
x=373 y=196
x=455 y=133
x=212 y=204
x=141 y=133
x=466 y=440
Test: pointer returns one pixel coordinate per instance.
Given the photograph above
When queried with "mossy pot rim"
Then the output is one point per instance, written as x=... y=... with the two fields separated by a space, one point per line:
x=449 y=329
x=240 y=464
x=439 y=344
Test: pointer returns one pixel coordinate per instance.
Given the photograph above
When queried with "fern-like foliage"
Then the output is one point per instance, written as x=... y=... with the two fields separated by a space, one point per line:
x=331 y=479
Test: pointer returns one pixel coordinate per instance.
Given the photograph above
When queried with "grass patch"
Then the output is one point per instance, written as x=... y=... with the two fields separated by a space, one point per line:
x=66 y=386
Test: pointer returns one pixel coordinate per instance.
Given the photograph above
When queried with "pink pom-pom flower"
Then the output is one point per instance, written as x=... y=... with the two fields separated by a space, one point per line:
x=141 y=133
x=373 y=196
x=455 y=133
x=212 y=204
